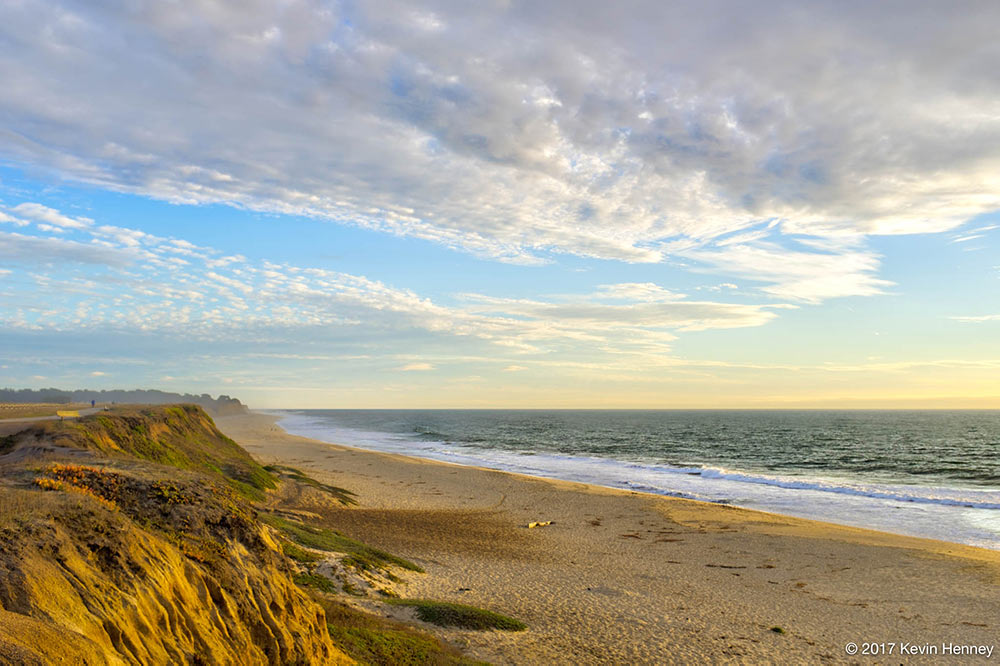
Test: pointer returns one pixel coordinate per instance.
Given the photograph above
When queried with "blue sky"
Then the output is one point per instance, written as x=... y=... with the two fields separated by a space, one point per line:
x=438 y=205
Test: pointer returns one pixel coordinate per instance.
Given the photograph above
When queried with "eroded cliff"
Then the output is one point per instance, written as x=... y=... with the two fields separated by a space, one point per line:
x=131 y=538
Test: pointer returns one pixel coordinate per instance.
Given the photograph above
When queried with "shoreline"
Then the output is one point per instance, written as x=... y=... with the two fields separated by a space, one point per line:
x=624 y=576
x=936 y=511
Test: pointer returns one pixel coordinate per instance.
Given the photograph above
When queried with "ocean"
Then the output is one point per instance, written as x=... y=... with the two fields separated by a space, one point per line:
x=927 y=473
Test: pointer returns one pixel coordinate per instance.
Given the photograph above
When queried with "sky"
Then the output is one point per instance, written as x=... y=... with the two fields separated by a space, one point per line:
x=567 y=204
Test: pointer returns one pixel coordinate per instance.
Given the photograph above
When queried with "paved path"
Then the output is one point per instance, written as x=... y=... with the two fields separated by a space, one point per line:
x=53 y=417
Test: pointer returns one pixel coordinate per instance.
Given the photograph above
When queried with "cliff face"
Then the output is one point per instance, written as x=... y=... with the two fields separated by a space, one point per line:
x=145 y=549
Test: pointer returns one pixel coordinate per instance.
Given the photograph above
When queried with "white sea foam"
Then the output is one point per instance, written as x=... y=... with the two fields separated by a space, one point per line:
x=960 y=515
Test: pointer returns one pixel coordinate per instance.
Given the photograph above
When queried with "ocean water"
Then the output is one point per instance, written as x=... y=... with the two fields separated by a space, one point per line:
x=923 y=473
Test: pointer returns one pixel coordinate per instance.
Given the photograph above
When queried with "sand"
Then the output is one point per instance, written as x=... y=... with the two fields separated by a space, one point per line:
x=623 y=577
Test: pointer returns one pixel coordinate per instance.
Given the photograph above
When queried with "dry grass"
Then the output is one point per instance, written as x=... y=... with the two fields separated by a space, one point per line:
x=17 y=504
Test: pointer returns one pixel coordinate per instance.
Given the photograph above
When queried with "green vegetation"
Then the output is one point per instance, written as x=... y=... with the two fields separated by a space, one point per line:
x=180 y=436
x=167 y=471
x=459 y=615
x=298 y=553
x=378 y=641
x=315 y=581
x=361 y=556
x=350 y=589
x=345 y=497
x=777 y=630
x=139 y=502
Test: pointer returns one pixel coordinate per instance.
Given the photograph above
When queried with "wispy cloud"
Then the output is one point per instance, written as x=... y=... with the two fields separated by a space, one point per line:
x=34 y=250
x=513 y=130
x=416 y=367
x=118 y=279
x=810 y=271
x=17 y=222
x=42 y=213
x=977 y=319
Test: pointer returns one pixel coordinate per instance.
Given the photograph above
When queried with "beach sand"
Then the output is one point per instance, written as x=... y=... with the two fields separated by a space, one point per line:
x=624 y=577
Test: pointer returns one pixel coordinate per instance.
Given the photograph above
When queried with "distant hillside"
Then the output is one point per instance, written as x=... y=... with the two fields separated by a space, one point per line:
x=223 y=405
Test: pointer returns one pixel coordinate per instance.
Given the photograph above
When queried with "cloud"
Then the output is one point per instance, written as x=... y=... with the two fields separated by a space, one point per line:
x=584 y=317
x=42 y=213
x=810 y=272
x=20 y=248
x=977 y=319
x=516 y=130
x=98 y=373
x=416 y=367
x=13 y=220
x=514 y=368
x=123 y=283
x=637 y=291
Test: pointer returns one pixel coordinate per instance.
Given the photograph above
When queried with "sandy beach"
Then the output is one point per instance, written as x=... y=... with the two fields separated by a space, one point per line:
x=625 y=577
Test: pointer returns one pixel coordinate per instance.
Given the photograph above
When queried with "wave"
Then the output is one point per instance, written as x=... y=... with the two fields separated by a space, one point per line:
x=958 y=514
x=901 y=493
x=429 y=443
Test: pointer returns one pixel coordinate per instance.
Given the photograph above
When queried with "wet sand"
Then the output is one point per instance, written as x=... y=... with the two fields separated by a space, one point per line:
x=625 y=577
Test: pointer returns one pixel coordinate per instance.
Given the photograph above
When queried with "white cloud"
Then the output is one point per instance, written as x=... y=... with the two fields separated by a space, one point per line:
x=514 y=368
x=4 y=217
x=98 y=373
x=42 y=213
x=637 y=291
x=515 y=130
x=416 y=367
x=977 y=319
x=587 y=318
x=125 y=283
x=20 y=248
x=838 y=269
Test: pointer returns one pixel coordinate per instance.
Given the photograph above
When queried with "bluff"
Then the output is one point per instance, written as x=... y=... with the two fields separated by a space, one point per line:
x=131 y=537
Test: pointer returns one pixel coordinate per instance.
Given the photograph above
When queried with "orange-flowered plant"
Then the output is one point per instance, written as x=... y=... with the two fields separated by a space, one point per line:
x=78 y=479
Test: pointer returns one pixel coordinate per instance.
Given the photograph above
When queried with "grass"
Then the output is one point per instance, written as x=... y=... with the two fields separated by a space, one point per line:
x=342 y=495
x=182 y=436
x=18 y=505
x=298 y=553
x=350 y=589
x=315 y=581
x=777 y=630
x=361 y=556
x=447 y=614
x=381 y=642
